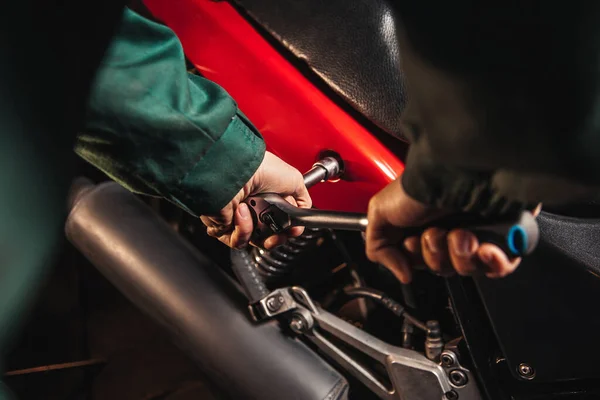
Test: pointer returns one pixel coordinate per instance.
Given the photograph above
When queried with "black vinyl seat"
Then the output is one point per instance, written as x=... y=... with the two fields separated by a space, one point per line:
x=351 y=45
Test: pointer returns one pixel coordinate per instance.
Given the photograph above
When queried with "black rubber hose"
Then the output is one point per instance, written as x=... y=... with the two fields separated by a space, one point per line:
x=247 y=273
x=387 y=302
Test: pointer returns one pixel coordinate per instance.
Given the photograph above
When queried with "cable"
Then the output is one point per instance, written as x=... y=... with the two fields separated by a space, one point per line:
x=387 y=302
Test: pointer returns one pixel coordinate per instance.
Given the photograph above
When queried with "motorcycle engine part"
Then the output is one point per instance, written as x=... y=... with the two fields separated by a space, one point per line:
x=194 y=300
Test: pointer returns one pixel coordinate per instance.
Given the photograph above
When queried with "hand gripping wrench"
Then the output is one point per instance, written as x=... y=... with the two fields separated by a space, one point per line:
x=516 y=234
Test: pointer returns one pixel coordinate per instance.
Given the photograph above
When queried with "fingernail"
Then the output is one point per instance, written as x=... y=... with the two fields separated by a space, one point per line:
x=463 y=244
x=430 y=243
x=244 y=211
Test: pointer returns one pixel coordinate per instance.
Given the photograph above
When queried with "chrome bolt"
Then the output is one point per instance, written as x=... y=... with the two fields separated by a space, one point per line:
x=451 y=395
x=447 y=359
x=274 y=303
x=526 y=371
x=458 y=378
x=298 y=324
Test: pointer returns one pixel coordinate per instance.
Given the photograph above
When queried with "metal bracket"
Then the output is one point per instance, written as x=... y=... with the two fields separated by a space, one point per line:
x=278 y=302
x=410 y=375
x=459 y=376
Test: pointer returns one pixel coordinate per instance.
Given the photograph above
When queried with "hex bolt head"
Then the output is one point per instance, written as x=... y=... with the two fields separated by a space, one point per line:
x=447 y=360
x=458 y=377
x=526 y=371
x=451 y=395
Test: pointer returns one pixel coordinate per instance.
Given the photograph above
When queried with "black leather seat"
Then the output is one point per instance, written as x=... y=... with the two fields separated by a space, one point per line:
x=350 y=45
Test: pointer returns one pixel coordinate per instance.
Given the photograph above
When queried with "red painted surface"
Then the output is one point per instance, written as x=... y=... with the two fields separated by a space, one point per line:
x=295 y=118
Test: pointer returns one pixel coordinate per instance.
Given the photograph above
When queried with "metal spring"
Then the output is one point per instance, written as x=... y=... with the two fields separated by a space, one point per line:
x=282 y=260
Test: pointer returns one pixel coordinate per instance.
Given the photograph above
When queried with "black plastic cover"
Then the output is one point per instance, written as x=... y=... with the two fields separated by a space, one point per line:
x=545 y=314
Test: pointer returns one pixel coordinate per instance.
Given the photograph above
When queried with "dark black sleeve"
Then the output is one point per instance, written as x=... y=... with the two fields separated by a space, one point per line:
x=503 y=107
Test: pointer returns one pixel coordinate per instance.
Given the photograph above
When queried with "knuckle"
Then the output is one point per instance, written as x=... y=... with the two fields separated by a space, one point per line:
x=298 y=176
x=373 y=209
x=210 y=232
x=371 y=254
x=373 y=203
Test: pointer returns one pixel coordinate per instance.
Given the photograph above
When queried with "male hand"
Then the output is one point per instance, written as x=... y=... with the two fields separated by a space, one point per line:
x=233 y=225
x=443 y=252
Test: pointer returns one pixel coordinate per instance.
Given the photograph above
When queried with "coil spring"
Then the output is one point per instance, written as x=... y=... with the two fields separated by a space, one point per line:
x=282 y=260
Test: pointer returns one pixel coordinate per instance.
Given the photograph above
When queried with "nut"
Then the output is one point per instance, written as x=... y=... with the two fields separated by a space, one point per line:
x=526 y=371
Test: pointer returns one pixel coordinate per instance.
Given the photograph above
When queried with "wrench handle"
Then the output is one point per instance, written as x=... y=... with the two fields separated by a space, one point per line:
x=314 y=218
x=517 y=235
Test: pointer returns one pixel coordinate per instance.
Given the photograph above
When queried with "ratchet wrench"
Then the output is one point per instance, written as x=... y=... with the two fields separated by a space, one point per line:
x=516 y=234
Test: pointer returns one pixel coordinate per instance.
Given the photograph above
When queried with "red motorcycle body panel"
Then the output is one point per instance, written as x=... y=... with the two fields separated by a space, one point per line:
x=296 y=119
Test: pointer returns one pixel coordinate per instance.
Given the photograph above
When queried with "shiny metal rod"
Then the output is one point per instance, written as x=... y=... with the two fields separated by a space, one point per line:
x=330 y=220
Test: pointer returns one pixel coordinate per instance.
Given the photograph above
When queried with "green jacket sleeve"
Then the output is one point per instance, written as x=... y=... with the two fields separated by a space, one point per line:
x=163 y=132
x=503 y=103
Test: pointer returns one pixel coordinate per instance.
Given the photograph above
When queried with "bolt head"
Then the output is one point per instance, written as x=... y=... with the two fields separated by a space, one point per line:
x=526 y=371
x=451 y=395
x=447 y=360
x=297 y=324
x=458 y=377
